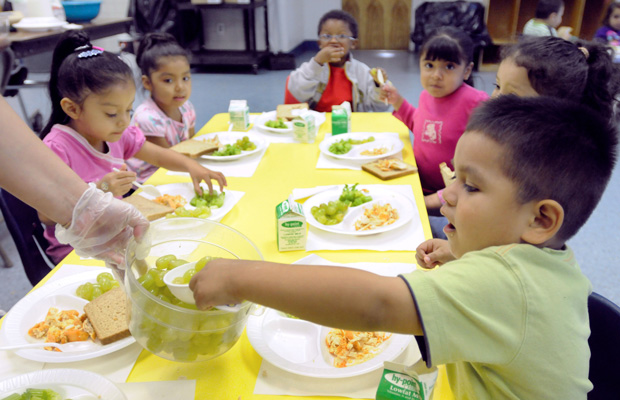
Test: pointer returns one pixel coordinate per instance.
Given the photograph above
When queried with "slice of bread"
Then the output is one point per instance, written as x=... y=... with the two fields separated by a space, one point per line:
x=195 y=148
x=108 y=316
x=149 y=208
x=286 y=110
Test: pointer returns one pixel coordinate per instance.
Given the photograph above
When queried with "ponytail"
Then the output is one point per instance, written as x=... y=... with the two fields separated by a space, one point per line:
x=153 y=47
x=79 y=70
x=603 y=82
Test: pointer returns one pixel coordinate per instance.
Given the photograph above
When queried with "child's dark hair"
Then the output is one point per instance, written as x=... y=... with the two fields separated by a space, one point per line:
x=75 y=75
x=341 y=16
x=582 y=71
x=612 y=6
x=554 y=149
x=545 y=8
x=449 y=43
x=153 y=47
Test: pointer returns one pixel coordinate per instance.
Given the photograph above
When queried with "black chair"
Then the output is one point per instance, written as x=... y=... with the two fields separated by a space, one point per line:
x=604 y=344
x=466 y=15
x=27 y=232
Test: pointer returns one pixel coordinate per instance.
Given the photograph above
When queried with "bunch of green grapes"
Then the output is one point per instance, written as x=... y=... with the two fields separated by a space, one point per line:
x=35 y=394
x=354 y=197
x=90 y=291
x=245 y=144
x=229 y=150
x=276 y=123
x=345 y=145
x=204 y=334
x=331 y=213
x=202 y=212
x=215 y=200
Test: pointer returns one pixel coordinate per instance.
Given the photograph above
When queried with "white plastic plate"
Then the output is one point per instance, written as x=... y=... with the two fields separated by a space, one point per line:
x=391 y=145
x=262 y=119
x=231 y=137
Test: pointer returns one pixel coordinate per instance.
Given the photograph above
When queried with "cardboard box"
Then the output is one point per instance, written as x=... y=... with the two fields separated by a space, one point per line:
x=341 y=118
x=304 y=128
x=290 y=226
x=239 y=114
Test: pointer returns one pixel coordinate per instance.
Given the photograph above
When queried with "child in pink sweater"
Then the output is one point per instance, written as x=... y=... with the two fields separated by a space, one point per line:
x=445 y=104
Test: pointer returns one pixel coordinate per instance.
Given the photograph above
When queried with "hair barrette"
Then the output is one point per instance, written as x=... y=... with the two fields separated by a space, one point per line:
x=92 y=52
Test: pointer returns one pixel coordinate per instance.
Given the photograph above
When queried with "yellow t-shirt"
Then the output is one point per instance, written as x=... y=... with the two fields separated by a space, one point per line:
x=509 y=322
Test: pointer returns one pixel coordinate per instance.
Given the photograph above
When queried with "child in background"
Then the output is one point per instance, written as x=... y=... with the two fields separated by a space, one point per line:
x=167 y=117
x=548 y=17
x=333 y=76
x=502 y=315
x=447 y=101
x=550 y=66
x=92 y=92
x=610 y=31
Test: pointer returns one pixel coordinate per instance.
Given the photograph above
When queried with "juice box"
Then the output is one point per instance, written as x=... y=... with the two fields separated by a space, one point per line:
x=341 y=118
x=401 y=382
x=239 y=114
x=304 y=128
x=290 y=226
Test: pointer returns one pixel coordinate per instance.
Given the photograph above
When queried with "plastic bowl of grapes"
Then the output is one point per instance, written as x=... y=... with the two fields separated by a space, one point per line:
x=164 y=324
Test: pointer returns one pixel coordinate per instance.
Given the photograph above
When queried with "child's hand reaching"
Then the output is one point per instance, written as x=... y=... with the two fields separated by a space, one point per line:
x=329 y=54
x=200 y=173
x=118 y=182
x=433 y=252
x=210 y=284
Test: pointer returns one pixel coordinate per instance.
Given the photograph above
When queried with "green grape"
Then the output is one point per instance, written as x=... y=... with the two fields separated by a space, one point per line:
x=178 y=280
x=97 y=291
x=176 y=263
x=163 y=262
x=104 y=276
x=353 y=196
x=343 y=146
x=187 y=276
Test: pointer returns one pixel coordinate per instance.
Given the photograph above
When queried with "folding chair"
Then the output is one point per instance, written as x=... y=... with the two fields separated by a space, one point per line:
x=604 y=348
x=27 y=232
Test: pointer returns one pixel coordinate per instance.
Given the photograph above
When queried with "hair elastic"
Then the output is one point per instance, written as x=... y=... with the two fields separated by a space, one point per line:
x=585 y=51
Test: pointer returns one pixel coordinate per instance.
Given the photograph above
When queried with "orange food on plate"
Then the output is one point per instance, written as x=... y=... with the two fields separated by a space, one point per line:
x=352 y=348
x=62 y=326
x=375 y=152
x=376 y=216
x=171 y=201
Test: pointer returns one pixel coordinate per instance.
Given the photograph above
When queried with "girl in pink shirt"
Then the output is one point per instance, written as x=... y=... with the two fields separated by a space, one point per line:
x=92 y=92
x=447 y=101
x=167 y=117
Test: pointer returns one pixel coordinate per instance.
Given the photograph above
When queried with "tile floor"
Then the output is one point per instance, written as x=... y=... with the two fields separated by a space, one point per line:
x=594 y=245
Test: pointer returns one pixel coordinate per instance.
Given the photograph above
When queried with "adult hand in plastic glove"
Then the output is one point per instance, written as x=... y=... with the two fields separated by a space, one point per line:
x=102 y=226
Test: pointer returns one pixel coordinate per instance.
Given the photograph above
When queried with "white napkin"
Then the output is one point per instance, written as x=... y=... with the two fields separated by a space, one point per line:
x=243 y=167
x=164 y=390
x=272 y=380
x=405 y=238
x=326 y=162
x=115 y=366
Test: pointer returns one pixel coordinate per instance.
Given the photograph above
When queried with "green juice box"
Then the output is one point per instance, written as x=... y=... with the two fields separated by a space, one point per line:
x=341 y=118
x=290 y=226
x=239 y=114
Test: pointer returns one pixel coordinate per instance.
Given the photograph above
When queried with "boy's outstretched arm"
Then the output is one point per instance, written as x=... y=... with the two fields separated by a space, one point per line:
x=332 y=296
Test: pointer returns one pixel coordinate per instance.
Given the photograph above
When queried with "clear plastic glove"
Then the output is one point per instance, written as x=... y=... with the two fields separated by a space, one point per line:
x=102 y=226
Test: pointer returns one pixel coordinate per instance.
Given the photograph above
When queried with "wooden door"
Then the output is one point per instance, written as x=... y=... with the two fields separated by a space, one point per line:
x=382 y=24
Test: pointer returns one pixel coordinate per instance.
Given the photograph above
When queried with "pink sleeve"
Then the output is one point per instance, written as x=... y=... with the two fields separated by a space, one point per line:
x=149 y=122
x=405 y=114
x=133 y=140
x=60 y=150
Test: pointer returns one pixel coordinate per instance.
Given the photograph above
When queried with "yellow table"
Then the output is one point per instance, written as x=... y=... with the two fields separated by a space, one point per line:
x=284 y=167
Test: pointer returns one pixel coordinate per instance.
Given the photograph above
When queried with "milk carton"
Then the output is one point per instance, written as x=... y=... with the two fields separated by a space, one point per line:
x=239 y=114
x=304 y=127
x=290 y=226
x=341 y=118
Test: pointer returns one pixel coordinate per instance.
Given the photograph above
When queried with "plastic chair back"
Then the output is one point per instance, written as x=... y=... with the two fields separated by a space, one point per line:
x=27 y=232
x=604 y=344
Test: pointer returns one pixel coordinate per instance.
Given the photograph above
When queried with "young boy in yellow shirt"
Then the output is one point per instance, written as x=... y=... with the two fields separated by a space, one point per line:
x=506 y=311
